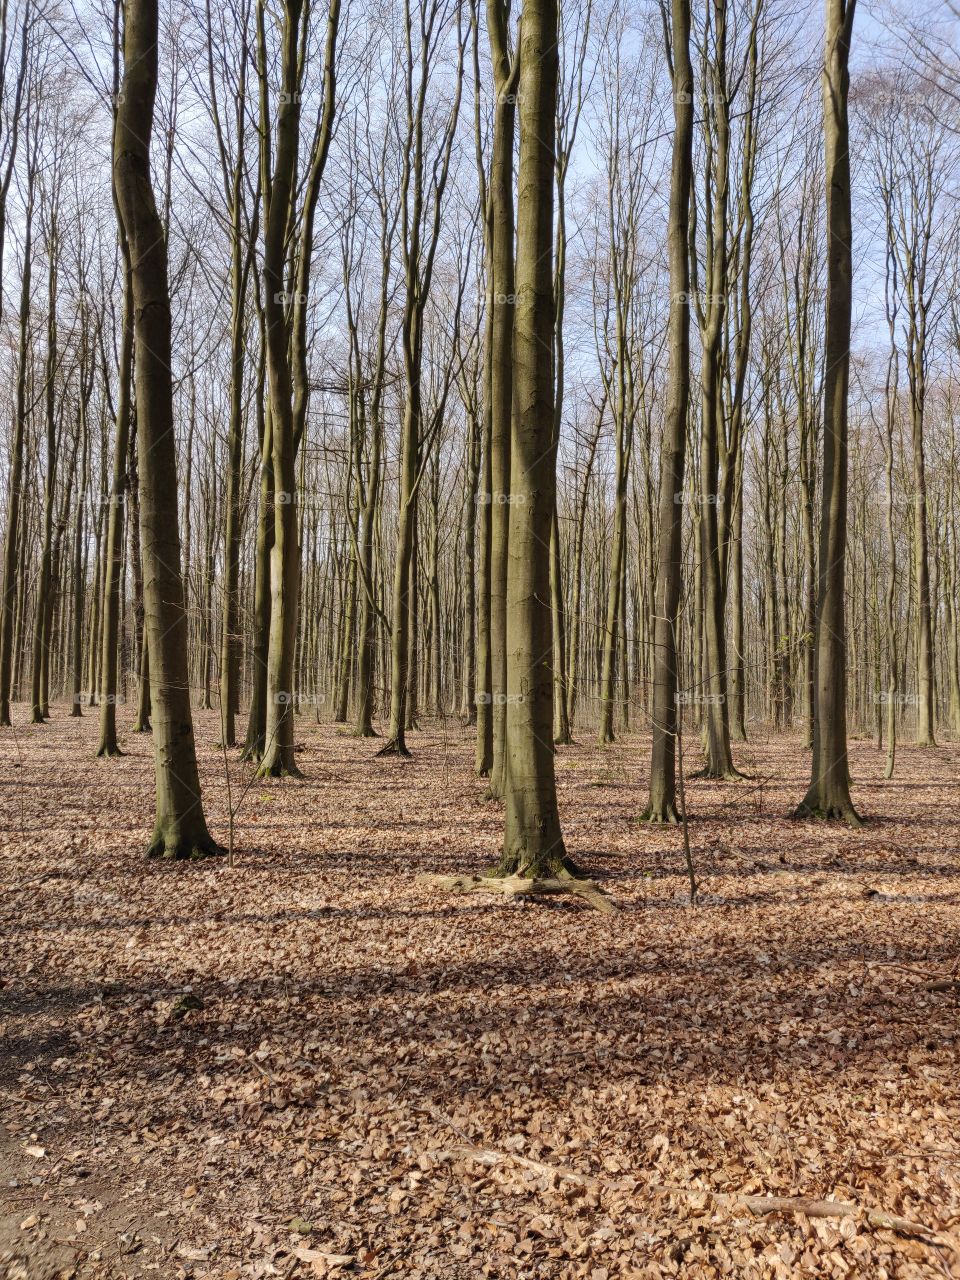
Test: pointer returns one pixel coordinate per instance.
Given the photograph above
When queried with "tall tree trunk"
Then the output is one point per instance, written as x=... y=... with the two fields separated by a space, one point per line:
x=45 y=584
x=532 y=838
x=110 y=635
x=663 y=795
x=12 y=578
x=260 y=644
x=828 y=795
x=180 y=830
x=483 y=759
x=468 y=657
x=502 y=302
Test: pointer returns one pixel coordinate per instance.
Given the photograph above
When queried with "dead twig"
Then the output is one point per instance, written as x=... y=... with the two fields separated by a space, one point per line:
x=759 y=1206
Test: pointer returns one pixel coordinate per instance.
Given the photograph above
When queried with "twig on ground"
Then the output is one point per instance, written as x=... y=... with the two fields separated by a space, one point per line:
x=759 y=1206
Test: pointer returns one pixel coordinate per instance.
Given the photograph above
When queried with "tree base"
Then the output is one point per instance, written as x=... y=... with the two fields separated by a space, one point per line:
x=278 y=768
x=365 y=731
x=106 y=750
x=664 y=815
x=840 y=812
x=144 y=726
x=514 y=886
x=395 y=747
x=724 y=774
x=185 y=850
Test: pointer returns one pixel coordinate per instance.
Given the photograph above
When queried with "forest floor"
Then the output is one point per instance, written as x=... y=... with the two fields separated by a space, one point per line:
x=312 y=1064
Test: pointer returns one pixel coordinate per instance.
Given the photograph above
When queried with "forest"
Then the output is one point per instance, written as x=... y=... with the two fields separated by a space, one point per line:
x=479 y=639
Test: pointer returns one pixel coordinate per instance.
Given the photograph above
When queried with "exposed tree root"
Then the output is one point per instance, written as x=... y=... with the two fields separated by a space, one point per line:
x=185 y=850
x=395 y=747
x=365 y=733
x=832 y=813
x=759 y=1206
x=523 y=886
x=663 y=816
x=278 y=769
x=558 y=867
x=720 y=775
x=106 y=750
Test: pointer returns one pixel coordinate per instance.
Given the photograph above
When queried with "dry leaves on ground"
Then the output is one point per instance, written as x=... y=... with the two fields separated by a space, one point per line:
x=288 y=1068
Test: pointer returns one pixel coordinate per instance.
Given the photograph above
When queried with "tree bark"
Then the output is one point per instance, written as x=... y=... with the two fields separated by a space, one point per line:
x=532 y=839
x=180 y=830
x=828 y=795
x=662 y=805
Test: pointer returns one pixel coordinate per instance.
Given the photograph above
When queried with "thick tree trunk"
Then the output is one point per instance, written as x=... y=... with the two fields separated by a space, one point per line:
x=180 y=829
x=502 y=300
x=483 y=760
x=533 y=841
x=278 y=758
x=663 y=776
x=828 y=795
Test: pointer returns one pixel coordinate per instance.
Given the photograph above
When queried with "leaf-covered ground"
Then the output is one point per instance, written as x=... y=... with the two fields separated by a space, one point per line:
x=311 y=1064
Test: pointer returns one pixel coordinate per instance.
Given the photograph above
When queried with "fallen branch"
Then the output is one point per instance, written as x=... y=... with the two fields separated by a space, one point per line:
x=759 y=1206
x=522 y=886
